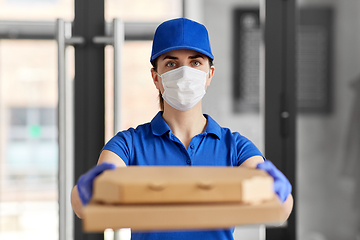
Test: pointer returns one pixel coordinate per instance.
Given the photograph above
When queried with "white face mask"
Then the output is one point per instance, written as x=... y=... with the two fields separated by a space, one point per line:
x=184 y=87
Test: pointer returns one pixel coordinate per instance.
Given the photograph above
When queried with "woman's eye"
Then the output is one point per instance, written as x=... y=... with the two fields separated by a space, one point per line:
x=196 y=63
x=170 y=64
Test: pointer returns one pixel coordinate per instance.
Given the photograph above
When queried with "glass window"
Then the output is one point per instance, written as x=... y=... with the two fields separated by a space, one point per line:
x=32 y=2
x=37 y=10
x=17 y=117
x=28 y=140
x=142 y=10
x=47 y=116
x=139 y=97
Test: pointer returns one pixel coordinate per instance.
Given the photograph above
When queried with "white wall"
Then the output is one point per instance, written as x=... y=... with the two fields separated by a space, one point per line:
x=218 y=100
x=325 y=197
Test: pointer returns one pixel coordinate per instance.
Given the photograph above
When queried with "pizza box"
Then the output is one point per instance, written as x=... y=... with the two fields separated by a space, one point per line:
x=154 y=185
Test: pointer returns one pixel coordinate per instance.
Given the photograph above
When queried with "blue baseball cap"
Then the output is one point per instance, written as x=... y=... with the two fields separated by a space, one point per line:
x=180 y=33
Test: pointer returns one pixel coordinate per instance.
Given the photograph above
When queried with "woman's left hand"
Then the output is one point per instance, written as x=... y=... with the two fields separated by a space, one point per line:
x=282 y=186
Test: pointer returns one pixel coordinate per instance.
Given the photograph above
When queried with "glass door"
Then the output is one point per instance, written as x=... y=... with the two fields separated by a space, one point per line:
x=29 y=148
x=138 y=95
x=252 y=90
x=328 y=128
x=29 y=160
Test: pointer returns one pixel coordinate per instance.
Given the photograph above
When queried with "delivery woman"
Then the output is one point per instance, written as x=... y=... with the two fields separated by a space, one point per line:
x=180 y=134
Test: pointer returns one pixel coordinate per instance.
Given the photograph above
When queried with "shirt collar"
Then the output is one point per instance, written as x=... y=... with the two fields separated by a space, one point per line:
x=159 y=126
x=212 y=127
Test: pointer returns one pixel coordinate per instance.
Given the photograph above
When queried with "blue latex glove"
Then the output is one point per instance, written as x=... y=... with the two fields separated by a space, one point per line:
x=282 y=186
x=85 y=182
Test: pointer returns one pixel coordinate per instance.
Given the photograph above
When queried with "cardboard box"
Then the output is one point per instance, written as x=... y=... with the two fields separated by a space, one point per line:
x=173 y=198
x=144 y=185
x=98 y=217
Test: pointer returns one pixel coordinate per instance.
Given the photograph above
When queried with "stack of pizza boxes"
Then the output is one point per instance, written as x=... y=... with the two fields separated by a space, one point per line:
x=174 y=198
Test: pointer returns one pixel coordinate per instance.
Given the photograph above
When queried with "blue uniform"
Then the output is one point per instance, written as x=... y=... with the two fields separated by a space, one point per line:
x=154 y=144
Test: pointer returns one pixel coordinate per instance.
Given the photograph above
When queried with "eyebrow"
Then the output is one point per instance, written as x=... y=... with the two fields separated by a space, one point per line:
x=196 y=56
x=169 y=57
x=175 y=58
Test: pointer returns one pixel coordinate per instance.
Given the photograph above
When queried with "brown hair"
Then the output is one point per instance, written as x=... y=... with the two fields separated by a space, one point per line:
x=155 y=66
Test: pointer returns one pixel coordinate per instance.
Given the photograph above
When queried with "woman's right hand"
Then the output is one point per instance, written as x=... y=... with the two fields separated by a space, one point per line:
x=85 y=182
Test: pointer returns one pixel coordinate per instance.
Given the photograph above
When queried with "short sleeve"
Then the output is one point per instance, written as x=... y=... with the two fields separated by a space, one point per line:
x=245 y=148
x=121 y=145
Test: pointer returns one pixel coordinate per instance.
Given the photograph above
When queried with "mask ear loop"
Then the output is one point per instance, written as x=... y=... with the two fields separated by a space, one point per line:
x=207 y=73
x=206 y=78
x=162 y=82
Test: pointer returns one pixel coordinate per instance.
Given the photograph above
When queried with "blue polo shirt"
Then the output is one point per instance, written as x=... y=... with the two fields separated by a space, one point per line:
x=154 y=144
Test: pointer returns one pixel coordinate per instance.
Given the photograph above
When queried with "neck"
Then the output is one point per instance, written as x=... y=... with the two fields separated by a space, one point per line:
x=185 y=124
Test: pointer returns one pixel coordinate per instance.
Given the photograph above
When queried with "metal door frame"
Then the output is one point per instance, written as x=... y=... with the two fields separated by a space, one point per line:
x=279 y=18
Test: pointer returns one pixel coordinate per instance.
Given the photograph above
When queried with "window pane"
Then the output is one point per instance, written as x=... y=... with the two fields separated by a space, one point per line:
x=139 y=97
x=48 y=116
x=18 y=117
x=28 y=140
x=37 y=9
x=142 y=10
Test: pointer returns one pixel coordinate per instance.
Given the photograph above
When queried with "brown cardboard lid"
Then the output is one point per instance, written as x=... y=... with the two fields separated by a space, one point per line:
x=164 y=184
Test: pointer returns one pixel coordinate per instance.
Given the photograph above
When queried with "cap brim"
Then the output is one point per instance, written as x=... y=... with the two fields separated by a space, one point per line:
x=181 y=47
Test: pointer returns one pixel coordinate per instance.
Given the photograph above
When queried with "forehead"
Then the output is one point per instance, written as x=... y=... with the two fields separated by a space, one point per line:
x=182 y=54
